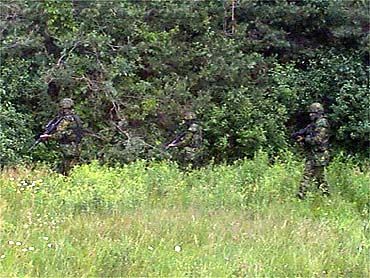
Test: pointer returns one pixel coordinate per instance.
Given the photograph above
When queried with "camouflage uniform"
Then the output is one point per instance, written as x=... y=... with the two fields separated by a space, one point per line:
x=68 y=134
x=316 y=142
x=190 y=146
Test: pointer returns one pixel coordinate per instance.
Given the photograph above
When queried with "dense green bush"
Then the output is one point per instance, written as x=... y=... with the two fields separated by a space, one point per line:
x=149 y=61
x=14 y=134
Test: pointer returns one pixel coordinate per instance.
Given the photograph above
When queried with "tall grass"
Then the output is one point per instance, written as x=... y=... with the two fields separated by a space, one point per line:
x=151 y=219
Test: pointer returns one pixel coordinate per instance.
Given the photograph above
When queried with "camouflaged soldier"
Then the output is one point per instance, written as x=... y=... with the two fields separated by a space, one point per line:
x=315 y=138
x=189 y=142
x=68 y=134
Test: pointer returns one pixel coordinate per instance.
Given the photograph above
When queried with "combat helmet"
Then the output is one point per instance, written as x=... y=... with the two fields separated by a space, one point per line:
x=189 y=116
x=316 y=108
x=66 y=103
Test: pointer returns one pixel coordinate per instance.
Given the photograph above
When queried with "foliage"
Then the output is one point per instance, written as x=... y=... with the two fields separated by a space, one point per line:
x=148 y=61
x=151 y=219
x=13 y=135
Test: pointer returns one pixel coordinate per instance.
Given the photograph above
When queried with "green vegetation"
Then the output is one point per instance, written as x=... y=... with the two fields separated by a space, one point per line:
x=149 y=61
x=129 y=211
x=151 y=219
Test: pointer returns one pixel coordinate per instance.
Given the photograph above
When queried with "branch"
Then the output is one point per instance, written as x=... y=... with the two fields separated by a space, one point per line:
x=67 y=54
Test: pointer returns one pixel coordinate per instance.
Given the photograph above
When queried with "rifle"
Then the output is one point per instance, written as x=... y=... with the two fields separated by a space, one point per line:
x=49 y=128
x=175 y=141
x=300 y=134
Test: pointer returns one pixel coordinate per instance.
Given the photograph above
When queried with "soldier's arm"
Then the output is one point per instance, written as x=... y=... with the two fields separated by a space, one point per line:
x=185 y=140
x=64 y=129
x=192 y=131
x=319 y=134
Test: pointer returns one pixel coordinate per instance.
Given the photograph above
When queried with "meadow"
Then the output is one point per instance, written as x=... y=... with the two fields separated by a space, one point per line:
x=152 y=219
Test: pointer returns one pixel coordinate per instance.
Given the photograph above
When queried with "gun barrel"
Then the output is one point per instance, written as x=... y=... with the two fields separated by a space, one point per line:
x=49 y=128
x=175 y=141
x=34 y=144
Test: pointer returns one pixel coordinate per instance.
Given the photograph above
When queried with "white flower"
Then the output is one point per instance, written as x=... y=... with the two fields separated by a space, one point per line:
x=2 y=256
x=45 y=238
x=24 y=249
x=177 y=248
x=50 y=245
x=31 y=248
x=18 y=243
x=11 y=242
x=150 y=248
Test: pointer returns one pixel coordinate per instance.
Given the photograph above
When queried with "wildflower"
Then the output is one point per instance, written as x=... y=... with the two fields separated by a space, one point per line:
x=150 y=248
x=11 y=242
x=31 y=248
x=177 y=248
x=50 y=245
x=45 y=238
x=2 y=256
x=18 y=243
x=24 y=249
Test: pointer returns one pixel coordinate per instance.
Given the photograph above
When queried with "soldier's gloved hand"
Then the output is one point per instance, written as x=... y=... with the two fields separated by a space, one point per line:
x=300 y=139
x=170 y=146
x=45 y=137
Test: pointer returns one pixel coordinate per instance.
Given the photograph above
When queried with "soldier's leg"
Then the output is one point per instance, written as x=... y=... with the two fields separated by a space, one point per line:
x=70 y=162
x=195 y=158
x=74 y=161
x=321 y=180
x=306 y=180
x=66 y=166
x=192 y=158
x=184 y=158
x=70 y=157
x=61 y=166
x=198 y=158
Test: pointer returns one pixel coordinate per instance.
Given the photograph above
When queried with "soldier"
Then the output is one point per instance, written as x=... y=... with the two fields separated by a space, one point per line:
x=189 y=142
x=68 y=133
x=315 y=138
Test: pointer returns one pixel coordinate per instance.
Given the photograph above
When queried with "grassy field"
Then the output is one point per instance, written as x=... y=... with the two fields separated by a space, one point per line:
x=151 y=219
